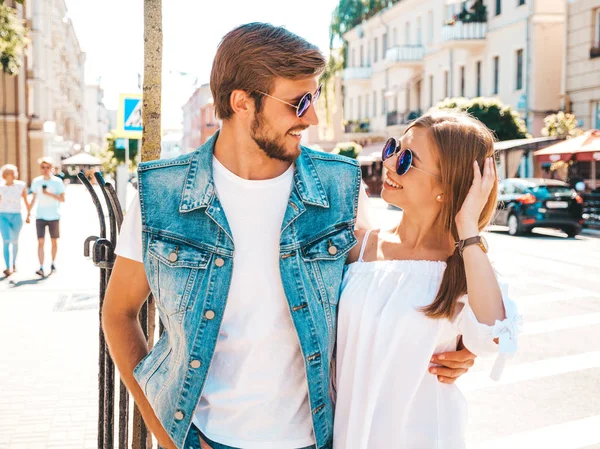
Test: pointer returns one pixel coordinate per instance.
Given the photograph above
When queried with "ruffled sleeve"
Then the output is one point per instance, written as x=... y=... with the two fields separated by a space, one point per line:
x=479 y=337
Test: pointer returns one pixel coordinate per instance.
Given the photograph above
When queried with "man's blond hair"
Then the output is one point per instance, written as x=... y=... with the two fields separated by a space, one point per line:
x=46 y=160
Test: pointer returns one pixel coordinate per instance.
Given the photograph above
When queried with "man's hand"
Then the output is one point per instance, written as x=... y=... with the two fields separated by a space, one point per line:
x=453 y=365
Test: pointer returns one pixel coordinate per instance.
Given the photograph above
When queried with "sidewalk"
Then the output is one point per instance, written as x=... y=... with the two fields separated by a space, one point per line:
x=49 y=334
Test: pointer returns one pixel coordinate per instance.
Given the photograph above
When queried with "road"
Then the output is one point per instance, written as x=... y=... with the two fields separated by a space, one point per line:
x=548 y=398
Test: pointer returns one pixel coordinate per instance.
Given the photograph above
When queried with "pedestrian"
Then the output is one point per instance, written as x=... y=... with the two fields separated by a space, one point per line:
x=12 y=191
x=410 y=283
x=49 y=192
x=243 y=244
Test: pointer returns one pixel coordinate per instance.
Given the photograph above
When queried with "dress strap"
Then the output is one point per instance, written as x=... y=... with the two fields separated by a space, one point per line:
x=364 y=245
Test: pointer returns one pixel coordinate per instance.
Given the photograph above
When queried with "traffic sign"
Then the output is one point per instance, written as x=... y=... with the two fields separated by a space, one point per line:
x=129 y=116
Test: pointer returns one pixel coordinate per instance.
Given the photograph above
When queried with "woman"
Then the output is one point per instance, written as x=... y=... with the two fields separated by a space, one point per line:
x=405 y=292
x=11 y=219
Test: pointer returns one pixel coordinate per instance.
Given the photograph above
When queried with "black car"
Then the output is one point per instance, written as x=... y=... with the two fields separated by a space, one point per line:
x=527 y=203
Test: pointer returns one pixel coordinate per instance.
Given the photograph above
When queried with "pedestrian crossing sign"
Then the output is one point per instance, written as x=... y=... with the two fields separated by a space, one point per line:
x=129 y=116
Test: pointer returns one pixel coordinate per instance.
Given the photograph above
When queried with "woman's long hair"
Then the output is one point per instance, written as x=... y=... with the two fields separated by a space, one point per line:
x=459 y=140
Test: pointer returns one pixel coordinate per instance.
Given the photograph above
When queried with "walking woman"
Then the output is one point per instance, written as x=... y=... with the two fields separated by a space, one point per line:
x=11 y=221
x=414 y=290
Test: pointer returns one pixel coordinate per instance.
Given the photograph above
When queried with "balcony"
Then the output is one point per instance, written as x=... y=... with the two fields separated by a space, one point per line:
x=396 y=118
x=361 y=126
x=405 y=55
x=464 y=33
x=357 y=73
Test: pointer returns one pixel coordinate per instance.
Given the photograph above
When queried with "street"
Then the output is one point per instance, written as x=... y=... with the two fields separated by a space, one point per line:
x=549 y=396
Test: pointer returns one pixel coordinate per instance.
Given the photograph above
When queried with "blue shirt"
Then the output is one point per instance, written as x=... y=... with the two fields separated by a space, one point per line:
x=48 y=208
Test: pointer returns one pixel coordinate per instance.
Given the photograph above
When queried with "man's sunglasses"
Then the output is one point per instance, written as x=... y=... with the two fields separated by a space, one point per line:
x=304 y=103
x=405 y=157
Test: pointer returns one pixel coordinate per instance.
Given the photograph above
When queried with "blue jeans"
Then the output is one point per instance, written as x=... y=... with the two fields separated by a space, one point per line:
x=10 y=226
x=197 y=434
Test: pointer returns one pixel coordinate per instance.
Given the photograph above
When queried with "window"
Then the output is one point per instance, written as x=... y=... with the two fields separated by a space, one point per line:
x=521 y=2
x=351 y=109
x=366 y=105
x=419 y=39
x=596 y=115
x=353 y=60
x=597 y=28
x=383 y=105
x=496 y=74
x=360 y=108
x=430 y=27
x=462 y=80
x=498 y=7
x=407 y=34
x=519 y=82
x=478 y=75
x=368 y=54
x=362 y=56
x=375 y=49
x=430 y=90
x=374 y=104
x=384 y=45
x=446 y=82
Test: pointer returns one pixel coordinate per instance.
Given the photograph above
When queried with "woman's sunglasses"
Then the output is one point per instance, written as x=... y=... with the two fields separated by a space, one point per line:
x=304 y=103
x=405 y=157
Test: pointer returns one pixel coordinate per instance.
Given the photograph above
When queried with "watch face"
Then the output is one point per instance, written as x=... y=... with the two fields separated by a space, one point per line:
x=484 y=244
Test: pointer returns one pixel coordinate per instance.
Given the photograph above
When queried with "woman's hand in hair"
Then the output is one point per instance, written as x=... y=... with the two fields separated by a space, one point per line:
x=467 y=219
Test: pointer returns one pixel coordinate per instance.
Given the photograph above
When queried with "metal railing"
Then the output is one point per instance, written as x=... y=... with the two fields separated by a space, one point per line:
x=103 y=256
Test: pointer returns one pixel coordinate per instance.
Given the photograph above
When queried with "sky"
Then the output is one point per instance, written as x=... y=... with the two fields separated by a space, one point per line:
x=111 y=34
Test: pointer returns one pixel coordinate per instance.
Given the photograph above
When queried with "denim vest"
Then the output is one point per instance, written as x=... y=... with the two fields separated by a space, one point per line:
x=188 y=258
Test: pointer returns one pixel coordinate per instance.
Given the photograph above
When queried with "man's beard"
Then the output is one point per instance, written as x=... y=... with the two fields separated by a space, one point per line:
x=273 y=147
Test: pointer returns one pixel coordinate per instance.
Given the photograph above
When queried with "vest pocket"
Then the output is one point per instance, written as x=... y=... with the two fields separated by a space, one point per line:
x=175 y=268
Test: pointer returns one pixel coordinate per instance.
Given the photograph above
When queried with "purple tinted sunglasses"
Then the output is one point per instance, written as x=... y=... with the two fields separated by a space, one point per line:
x=304 y=103
x=405 y=157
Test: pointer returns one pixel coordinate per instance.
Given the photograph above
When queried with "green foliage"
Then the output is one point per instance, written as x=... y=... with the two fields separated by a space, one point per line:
x=501 y=119
x=348 y=149
x=561 y=125
x=13 y=39
x=112 y=156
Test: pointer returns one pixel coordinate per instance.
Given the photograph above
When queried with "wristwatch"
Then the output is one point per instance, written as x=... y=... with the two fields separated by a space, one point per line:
x=477 y=240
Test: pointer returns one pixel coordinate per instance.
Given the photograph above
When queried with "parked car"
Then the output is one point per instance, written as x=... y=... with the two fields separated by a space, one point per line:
x=527 y=203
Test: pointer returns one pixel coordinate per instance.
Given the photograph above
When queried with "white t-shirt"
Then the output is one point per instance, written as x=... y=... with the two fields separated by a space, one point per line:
x=256 y=394
x=10 y=197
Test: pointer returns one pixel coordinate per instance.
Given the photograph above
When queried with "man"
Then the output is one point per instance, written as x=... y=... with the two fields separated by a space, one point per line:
x=243 y=243
x=49 y=191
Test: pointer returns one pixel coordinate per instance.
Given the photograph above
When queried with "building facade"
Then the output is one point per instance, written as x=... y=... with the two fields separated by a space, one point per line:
x=415 y=53
x=199 y=122
x=582 y=55
x=97 y=124
x=44 y=113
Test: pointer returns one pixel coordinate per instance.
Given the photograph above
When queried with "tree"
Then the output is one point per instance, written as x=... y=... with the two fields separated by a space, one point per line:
x=561 y=125
x=153 y=43
x=501 y=119
x=13 y=39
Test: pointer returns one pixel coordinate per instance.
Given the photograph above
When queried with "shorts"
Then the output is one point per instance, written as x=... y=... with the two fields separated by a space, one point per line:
x=40 y=226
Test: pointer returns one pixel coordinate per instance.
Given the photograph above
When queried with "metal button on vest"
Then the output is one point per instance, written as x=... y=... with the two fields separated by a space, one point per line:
x=219 y=262
x=209 y=315
x=173 y=257
x=195 y=364
x=332 y=250
x=178 y=415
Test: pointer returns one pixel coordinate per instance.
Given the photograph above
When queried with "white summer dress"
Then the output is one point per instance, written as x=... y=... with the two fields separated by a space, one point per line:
x=386 y=397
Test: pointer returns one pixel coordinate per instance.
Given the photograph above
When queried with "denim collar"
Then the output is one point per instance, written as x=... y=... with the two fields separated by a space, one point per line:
x=199 y=187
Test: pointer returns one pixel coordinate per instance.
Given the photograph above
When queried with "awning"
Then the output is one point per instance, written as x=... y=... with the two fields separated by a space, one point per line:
x=585 y=147
x=82 y=158
x=370 y=153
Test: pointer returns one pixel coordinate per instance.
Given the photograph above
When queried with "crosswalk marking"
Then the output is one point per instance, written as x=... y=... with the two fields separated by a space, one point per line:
x=569 y=435
x=558 y=324
x=527 y=371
